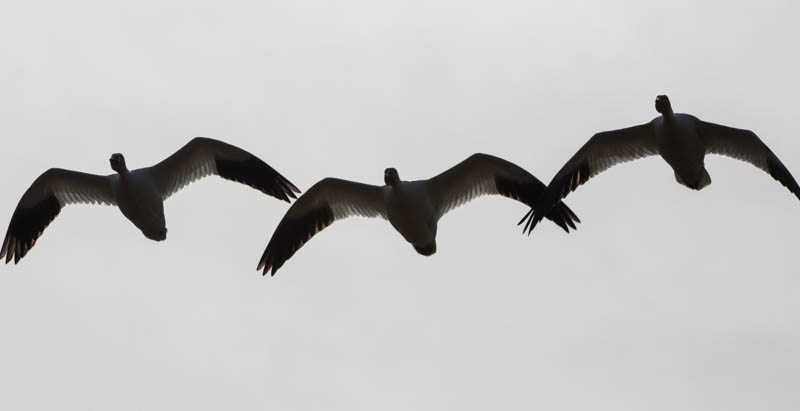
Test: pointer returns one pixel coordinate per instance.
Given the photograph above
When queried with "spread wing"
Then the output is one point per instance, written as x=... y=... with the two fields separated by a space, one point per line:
x=482 y=174
x=203 y=156
x=603 y=151
x=43 y=200
x=746 y=146
x=329 y=200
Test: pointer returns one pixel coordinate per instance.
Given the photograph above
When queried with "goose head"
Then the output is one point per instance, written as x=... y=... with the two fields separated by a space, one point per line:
x=118 y=163
x=156 y=235
x=390 y=176
x=662 y=105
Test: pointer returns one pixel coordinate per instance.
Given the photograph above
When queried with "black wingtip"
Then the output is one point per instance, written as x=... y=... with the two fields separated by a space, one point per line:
x=289 y=189
x=570 y=223
x=257 y=174
x=528 y=222
x=532 y=222
x=562 y=213
x=27 y=225
x=525 y=217
x=573 y=215
x=267 y=263
x=566 y=223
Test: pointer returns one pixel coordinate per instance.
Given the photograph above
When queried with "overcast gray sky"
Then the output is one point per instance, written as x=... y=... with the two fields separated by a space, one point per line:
x=664 y=298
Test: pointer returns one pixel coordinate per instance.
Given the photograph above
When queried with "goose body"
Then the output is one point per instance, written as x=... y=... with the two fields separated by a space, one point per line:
x=139 y=200
x=413 y=208
x=682 y=140
x=412 y=213
x=139 y=194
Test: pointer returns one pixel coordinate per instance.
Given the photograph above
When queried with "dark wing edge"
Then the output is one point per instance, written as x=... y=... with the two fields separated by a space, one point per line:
x=26 y=226
x=328 y=200
x=482 y=174
x=291 y=234
x=202 y=156
x=746 y=146
x=603 y=151
x=42 y=202
x=527 y=193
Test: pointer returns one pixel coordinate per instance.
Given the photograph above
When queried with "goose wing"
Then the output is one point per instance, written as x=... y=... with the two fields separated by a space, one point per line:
x=42 y=202
x=603 y=151
x=203 y=156
x=329 y=200
x=483 y=174
x=746 y=146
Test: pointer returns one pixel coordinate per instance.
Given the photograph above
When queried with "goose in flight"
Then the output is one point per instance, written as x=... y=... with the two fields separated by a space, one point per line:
x=139 y=193
x=682 y=140
x=412 y=207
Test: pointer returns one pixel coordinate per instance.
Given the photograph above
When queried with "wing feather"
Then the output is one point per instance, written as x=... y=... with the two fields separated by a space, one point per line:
x=203 y=156
x=603 y=151
x=329 y=200
x=746 y=146
x=42 y=202
x=483 y=174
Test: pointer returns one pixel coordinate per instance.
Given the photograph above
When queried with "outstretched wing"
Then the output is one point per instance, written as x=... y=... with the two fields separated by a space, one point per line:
x=203 y=156
x=329 y=200
x=42 y=202
x=482 y=174
x=746 y=146
x=603 y=151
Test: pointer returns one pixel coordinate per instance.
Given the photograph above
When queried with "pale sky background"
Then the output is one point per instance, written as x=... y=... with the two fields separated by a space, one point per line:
x=664 y=299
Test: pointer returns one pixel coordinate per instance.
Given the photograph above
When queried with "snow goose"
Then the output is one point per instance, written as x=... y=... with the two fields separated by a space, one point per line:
x=140 y=193
x=682 y=140
x=412 y=207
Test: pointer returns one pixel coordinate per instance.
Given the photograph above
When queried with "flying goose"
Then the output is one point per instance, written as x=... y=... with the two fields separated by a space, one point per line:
x=682 y=140
x=139 y=193
x=412 y=207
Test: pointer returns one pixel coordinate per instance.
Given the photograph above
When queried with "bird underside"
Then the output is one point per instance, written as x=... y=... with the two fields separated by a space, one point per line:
x=694 y=182
x=426 y=250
